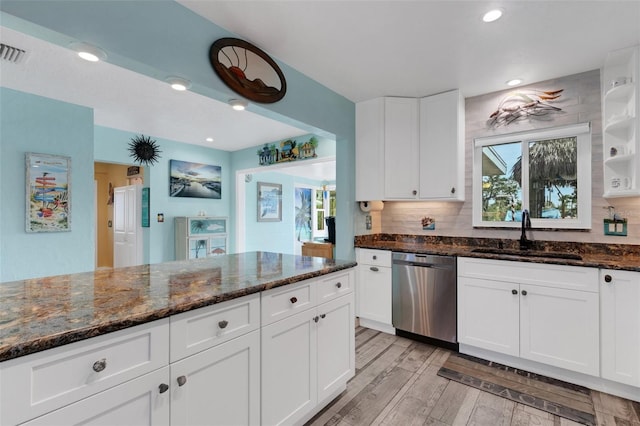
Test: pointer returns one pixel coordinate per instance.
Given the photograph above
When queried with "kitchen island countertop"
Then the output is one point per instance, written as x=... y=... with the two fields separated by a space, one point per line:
x=42 y=313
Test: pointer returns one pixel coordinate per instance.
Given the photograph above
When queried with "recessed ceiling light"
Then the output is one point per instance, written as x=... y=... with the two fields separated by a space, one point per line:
x=238 y=104
x=492 y=15
x=89 y=52
x=178 y=83
x=209 y=139
x=514 y=82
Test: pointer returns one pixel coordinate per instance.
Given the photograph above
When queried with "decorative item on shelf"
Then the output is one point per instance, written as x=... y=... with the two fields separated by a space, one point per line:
x=144 y=150
x=616 y=150
x=195 y=180
x=247 y=70
x=289 y=150
x=428 y=223
x=523 y=104
x=620 y=81
x=48 y=196
x=620 y=183
x=269 y=202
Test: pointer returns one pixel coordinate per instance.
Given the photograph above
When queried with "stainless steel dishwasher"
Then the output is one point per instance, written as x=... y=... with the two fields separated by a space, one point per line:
x=424 y=297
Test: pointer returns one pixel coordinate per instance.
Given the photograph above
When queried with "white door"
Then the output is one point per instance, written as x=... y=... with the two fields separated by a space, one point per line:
x=127 y=226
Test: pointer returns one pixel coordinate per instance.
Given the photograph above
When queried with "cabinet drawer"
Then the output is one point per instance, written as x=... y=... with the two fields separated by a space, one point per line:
x=542 y=274
x=44 y=381
x=281 y=302
x=200 y=329
x=374 y=257
x=334 y=285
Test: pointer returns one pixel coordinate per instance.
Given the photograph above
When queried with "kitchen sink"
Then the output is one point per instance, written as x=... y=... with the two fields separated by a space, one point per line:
x=528 y=253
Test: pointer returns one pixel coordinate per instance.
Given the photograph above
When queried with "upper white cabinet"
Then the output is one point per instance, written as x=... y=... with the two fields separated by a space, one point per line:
x=621 y=121
x=410 y=148
x=620 y=326
x=442 y=146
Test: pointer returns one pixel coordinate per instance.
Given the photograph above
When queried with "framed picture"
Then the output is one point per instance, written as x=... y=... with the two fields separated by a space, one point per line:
x=48 y=193
x=269 y=202
x=195 y=180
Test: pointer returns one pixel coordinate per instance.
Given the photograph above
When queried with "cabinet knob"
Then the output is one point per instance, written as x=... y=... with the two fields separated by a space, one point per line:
x=514 y=291
x=163 y=387
x=375 y=257
x=323 y=316
x=524 y=292
x=223 y=324
x=339 y=285
x=182 y=380
x=316 y=318
x=374 y=268
x=453 y=190
x=293 y=299
x=414 y=192
x=607 y=278
x=98 y=366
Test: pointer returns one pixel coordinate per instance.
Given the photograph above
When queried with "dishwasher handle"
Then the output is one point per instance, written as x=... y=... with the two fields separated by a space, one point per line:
x=422 y=264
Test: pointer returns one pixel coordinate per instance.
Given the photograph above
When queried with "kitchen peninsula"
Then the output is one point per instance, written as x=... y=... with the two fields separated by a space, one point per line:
x=225 y=325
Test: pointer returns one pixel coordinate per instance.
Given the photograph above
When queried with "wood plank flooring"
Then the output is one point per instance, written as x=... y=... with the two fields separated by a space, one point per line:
x=396 y=383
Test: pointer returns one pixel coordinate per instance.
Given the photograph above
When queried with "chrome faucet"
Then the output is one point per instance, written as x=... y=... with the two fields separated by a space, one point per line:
x=525 y=244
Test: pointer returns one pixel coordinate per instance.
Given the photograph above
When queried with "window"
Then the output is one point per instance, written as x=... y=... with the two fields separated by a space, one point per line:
x=547 y=172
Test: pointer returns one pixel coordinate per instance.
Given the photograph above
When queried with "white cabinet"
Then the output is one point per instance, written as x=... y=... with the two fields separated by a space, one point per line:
x=220 y=385
x=139 y=402
x=401 y=139
x=200 y=236
x=308 y=354
x=373 y=290
x=621 y=123
x=540 y=312
x=46 y=381
x=620 y=326
x=410 y=148
x=442 y=146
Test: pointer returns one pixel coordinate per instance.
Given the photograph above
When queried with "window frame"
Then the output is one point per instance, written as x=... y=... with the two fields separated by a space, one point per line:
x=582 y=132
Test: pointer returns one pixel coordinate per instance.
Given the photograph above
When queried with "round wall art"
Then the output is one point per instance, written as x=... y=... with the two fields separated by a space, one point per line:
x=247 y=70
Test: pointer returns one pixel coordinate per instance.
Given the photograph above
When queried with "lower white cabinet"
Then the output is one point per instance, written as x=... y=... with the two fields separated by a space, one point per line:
x=219 y=386
x=308 y=356
x=142 y=401
x=374 y=288
x=620 y=326
x=531 y=311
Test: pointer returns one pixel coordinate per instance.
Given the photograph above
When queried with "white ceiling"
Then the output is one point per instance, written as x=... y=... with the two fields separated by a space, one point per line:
x=364 y=49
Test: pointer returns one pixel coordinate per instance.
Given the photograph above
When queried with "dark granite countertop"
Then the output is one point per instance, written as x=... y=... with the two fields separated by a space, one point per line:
x=43 y=313
x=595 y=255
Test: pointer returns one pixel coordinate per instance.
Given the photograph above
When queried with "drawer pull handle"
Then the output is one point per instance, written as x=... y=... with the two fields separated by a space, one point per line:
x=98 y=366
x=607 y=278
x=163 y=387
x=293 y=299
x=316 y=318
x=223 y=324
x=323 y=316
x=514 y=291
x=182 y=380
x=414 y=192
x=339 y=285
x=524 y=292
x=374 y=269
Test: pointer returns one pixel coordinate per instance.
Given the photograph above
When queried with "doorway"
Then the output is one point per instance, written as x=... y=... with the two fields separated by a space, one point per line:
x=107 y=177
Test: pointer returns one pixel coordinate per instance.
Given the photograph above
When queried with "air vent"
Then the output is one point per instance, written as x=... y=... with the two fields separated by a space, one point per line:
x=11 y=54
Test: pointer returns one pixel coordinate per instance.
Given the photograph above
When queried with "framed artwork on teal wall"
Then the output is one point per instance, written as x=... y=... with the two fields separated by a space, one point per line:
x=48 y=193
x=269 y=202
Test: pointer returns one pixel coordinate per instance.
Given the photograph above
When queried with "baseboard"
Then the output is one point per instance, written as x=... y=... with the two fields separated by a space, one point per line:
x=375 y=325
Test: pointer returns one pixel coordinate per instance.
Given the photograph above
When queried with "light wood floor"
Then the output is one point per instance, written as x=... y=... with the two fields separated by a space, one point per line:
x=396 y=383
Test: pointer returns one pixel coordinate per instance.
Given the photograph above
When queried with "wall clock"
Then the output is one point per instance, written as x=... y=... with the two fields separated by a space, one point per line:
x=247 y=70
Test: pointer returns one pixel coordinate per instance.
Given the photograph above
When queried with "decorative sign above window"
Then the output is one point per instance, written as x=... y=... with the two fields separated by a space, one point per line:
x=289 y=151
x=247 y=70
x=523 y=104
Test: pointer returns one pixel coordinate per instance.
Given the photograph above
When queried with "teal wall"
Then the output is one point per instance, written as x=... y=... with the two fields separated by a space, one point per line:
x=30 y=123
x=111 y=146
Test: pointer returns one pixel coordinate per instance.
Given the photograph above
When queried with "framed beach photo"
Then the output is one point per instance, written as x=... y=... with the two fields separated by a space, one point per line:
x=194 y=180
x=48 y=193
x=269 y=202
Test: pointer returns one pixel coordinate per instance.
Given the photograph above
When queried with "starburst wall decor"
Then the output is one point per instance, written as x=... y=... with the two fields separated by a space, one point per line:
x=144 y=150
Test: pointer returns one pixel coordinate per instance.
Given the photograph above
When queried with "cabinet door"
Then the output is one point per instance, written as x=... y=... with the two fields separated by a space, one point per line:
x=336 y=345
x=488 y=315
x=289 y=369
x=220 y=386
x=401 y=148
x=370 y=150
x=620 y=325
x=560 y=327
x=137 y=402
x=374 y=293
x=442 y=146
